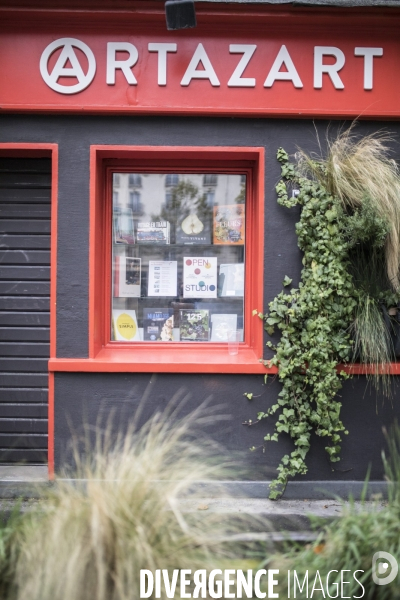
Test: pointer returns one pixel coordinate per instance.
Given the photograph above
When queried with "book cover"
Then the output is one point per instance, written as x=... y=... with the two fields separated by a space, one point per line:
x=194 y=325
x=153 y=232
x=231 y=279
x=163 y=277
x=127 y=276
x=221 y=326
x=229 y=225
x=158 y=324
x=199 y=277
x=193 y=230
x=123 y=227
x=125 y=326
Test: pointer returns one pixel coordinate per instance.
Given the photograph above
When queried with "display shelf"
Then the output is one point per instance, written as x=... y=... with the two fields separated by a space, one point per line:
x=180 y=300
x=195 y=245
x=153 y=246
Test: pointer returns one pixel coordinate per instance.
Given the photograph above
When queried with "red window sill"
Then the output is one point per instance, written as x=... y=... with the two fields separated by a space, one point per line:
x=205 y=360
x=145 y=359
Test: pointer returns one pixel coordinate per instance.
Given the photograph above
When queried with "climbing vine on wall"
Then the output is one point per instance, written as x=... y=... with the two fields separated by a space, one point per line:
x=314 y=321
x=347 y=305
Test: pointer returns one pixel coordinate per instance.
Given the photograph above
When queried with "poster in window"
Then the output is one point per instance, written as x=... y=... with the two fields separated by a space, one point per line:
x=162 y=279
x=200 y=277
x=231 y=279
x=222 y=325
x=229 y=225
x=127 y=277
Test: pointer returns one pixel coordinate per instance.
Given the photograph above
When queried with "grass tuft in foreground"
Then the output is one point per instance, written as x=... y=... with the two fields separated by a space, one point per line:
x=350 y=543
x=90 y=539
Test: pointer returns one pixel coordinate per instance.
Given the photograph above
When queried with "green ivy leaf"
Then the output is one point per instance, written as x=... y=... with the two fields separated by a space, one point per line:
x=287 y=281
x=313 y=321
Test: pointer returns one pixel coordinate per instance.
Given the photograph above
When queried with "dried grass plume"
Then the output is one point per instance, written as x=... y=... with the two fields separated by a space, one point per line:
x=90 y=538
x=359 y=169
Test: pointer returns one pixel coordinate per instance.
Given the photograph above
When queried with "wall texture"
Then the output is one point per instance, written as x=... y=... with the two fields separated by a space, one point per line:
x=87 y=397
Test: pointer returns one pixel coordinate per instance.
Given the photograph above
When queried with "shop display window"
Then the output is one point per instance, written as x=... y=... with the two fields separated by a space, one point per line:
x=178 y=257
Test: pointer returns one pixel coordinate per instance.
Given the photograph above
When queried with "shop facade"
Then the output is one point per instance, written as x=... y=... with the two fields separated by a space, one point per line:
x=139 y=213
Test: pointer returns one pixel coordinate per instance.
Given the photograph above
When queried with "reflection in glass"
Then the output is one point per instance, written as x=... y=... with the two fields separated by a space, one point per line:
x=135 y=180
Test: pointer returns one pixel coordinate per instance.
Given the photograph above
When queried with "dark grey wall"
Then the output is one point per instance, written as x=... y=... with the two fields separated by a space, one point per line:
x=79 y=396
x=94 y=399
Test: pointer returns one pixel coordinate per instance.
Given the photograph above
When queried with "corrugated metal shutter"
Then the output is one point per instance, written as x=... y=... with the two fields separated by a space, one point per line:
x=24 y=308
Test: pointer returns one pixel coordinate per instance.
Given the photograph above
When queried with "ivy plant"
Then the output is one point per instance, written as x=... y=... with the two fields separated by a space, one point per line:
x=313 y=321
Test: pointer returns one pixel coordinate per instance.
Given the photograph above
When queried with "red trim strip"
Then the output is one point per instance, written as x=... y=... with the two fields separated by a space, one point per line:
x=19 y=150
x=362 y=369
x=51 y=427
x=355 y=369
x=94 y=343
x=53 y=250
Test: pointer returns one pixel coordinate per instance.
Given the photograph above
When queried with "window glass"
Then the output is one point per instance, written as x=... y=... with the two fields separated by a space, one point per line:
x=178 y=257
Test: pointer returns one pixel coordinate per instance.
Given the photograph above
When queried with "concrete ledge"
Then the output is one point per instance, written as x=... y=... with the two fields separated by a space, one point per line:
x=23 y=481
x=266 y=520
x=271 y=516
x=23 y=473
x=27 y=481
x=295 y=490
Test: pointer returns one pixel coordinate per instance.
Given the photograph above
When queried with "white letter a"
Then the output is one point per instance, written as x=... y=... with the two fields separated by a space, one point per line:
x=275 y=73
x=192 y=72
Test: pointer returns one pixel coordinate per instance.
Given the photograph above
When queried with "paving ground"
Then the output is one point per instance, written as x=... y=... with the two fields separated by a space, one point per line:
x=284 y=517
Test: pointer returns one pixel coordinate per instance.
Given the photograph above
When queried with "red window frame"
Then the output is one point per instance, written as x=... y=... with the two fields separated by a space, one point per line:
x=107 y=355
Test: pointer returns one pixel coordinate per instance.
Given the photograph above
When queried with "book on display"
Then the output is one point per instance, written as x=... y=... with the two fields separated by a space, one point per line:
x=125 y=325
x=194 y=325
x=158 y=324
x=153 y=232
x=229 y=225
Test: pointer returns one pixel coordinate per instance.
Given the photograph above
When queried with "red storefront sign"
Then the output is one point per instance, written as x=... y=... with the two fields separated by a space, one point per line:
x=315 y=71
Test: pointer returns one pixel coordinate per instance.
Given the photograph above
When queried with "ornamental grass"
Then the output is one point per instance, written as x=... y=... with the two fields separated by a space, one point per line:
x=91 y=536
x=349 y=543
x=359 y=173
x=359 y=169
